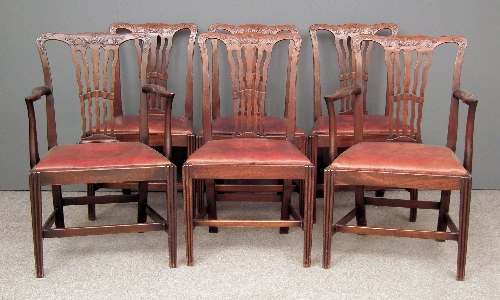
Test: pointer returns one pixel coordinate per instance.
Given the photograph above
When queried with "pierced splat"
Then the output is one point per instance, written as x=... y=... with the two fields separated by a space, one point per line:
x=245 y=28
x=249 y=56
x=408 y=60
x=95 y=58
x=249 y=69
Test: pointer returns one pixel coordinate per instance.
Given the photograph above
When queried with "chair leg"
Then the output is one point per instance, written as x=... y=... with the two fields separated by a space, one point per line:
x=309 y=186
x=285 y=204
x=91 y=207
x=143 y=200
x=212 y=206
x=313 y=156
x=199 y=187
x=464 y=211
x=187 y=183
x=36 y=217
x=413 y=211
x=58 y=206
x=444 y=207
x=359 y=196
x=329 y=199
x=172 y=215
x=302 y=197
x=191 y=144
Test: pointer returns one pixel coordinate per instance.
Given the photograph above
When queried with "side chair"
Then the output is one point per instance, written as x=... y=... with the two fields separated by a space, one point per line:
x=223 y=125
x=249 y=153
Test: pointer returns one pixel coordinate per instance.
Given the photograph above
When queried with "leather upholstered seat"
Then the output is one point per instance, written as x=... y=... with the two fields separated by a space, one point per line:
x=396 y=157
x=248 y=151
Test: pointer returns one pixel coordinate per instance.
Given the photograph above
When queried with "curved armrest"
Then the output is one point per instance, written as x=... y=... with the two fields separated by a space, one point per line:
x=344 y=92
x=466 y=98
x=157 y=90
x=38 y=93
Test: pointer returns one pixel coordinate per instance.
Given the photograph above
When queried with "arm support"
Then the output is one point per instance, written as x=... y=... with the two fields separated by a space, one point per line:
x=37 y=94
x=169 y=98
x=469 y=127
x=330 y=100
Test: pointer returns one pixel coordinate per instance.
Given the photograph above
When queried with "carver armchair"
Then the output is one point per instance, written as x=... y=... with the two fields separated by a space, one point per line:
x=98 y=157
x=403 y=161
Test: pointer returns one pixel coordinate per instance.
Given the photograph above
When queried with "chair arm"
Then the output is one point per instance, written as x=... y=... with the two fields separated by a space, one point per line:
x=157 y=90
x=37 y=94
x=344 y=92
x=330 y=99
x=466 y=98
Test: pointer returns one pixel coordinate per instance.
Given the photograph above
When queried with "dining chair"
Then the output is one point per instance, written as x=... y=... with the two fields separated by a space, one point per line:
x=98 y=157
x=335 y=42
x=223 y=124
x=249 y=153
x=403 y=161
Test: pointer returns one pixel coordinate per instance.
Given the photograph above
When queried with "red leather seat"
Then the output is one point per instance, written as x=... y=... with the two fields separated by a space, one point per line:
x=99 y=156
x=400 y=158
x=248 y=152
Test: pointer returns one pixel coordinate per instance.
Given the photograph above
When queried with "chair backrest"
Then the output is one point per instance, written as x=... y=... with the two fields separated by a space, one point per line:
x=343 y=35
x=249 y=56
x=408 y=59
x=245 y=28
x=95 y=57
x=162 y=41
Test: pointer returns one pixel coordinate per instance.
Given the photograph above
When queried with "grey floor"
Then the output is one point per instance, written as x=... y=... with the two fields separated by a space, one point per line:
x=249 y=263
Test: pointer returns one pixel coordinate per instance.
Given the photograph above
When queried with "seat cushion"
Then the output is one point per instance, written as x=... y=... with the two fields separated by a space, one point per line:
x=100 y=155
x=400 y=158
x=130 y=124
x=372 y=125
x=248 y=151
x=273 y=126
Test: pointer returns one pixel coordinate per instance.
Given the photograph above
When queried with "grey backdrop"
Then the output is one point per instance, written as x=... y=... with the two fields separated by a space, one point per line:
x=21 y=21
